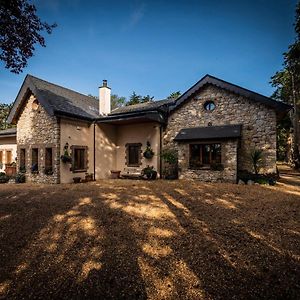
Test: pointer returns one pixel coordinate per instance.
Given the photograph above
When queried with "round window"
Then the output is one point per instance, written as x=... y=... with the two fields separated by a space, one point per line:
x=209 y=106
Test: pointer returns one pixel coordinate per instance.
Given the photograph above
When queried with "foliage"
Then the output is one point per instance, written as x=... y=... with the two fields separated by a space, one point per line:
x=287 y=84
x=20 y=178
x=20 y=30
x=169 y=156
x=256 y=157
x=137 y=99
x=34 y=168
x=283 y=134
x=148 y=153
x=3 y=178
x=117 y=101
x=4 y=112
x=48 y=171
x=149 y=172
x=174 y=95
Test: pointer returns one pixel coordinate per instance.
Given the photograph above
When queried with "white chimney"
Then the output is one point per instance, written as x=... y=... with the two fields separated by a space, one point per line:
x=104 y=99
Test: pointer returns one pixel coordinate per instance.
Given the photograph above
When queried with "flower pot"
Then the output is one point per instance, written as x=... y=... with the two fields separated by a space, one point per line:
x=115 y=174
x=77 y=179
x=148 y=154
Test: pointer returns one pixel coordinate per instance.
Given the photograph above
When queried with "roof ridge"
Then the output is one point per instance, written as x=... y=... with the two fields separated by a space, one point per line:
x=60 y=86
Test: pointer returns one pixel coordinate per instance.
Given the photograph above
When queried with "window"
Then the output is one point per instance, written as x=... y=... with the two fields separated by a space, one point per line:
x=1 y=157
x=22 y=160
x=79 y=158
x=133 y=154
x=8 y=157
x=48 y=161
x=35 y=160
x=202 y=155
x=209 y=105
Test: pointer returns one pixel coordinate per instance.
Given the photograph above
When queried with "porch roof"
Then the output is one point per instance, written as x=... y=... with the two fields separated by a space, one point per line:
x=210 y=132
x=138 y=117
x=10 y=132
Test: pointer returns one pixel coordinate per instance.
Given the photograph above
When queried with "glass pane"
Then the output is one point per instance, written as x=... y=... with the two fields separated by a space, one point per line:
x=48 y=158
x=79 y=159
x=206 y=149
x=195 y=161
x=133 y=152
x=216 y=153
x=35 y=159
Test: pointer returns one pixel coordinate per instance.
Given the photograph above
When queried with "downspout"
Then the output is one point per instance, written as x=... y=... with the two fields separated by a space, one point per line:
x=94 y=150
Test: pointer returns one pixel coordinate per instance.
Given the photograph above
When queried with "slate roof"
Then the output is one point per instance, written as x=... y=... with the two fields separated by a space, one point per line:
x=61 y=101
x=143 y=106
x=57 y=100
x=8 y=132
x=210 y=132
x=208 y=79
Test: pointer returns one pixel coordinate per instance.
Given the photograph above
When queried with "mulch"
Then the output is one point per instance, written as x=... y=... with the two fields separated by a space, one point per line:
x=128 y=239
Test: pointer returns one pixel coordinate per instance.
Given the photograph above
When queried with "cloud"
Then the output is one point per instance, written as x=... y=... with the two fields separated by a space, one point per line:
x=136 y=15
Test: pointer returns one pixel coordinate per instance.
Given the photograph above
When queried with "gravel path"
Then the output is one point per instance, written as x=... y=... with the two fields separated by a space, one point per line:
x=125 y=239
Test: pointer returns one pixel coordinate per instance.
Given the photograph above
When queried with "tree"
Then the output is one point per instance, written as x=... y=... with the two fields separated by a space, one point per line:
x=174 y=95
x=20 y=30
x=287 y=83
x=4 y=112
x=117 y=101
x=137 y=99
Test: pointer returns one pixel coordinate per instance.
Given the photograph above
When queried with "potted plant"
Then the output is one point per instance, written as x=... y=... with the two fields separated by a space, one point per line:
x=170 y=159
x=48 y=171
x=20 y=178
x=149 y=172
x=76 y=179
x=89 y=177
x=148 y=153
x=22 y=169
x=34 y=169
x=3 y=178
x=66 y=157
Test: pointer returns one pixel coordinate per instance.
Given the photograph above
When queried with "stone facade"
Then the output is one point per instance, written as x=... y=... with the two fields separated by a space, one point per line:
x=36 y=129
x=258 y=131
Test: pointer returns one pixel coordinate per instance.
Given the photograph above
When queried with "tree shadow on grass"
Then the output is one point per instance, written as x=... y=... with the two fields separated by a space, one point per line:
x=232 y=255
x=81 y=251
x=159 y=240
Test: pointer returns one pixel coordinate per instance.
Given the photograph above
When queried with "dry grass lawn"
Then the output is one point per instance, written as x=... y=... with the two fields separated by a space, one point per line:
x=128 y=239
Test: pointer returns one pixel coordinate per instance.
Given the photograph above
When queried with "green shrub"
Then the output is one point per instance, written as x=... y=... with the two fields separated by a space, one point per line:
x=20 y=178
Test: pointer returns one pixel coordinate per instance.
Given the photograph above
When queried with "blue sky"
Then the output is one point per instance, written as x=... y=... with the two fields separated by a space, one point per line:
x=157 y=47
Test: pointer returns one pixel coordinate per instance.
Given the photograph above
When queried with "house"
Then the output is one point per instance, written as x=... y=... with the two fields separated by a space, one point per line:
x=8 y=148
x=212 y=123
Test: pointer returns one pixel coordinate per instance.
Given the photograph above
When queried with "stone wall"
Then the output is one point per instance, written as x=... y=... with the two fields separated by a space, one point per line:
x=258 y=120
x=229 y=161
x=36 y=129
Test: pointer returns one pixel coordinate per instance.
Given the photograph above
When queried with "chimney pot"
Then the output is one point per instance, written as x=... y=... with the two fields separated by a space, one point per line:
x=104 y=99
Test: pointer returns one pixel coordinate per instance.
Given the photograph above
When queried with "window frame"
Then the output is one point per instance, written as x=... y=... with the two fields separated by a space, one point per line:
x=201 y=155
x=139 y=162
x=85 y=167
x=209 y=102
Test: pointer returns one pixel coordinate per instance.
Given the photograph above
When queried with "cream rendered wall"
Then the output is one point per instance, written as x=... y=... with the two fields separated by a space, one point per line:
x=79 y=134
x=138 y=133
x=105 y=150
x=8 y=144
